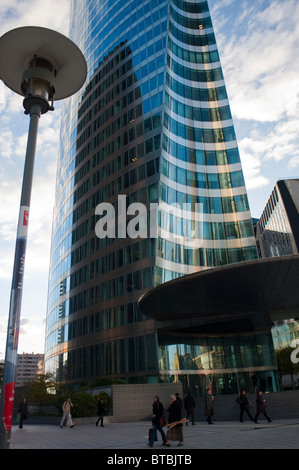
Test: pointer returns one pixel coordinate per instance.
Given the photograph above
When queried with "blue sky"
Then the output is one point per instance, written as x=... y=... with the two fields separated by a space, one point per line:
x=258 y=41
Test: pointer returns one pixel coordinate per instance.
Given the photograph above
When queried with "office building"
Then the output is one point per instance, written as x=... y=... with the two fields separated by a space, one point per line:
x=277 y=230
x=29 y=367
x=152 y=127
x=277 y=234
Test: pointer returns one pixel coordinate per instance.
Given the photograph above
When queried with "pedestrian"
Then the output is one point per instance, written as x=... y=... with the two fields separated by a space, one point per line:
x=254 y=381
x=270 y=383
x=66 y=410
x=263 y=384
x=209 y=405
x=174 y=433
x=158 y=414
x=22 y=411
x=244 y=406
x=261 y=407
x=177 y=396
x=189 y=405
x=100 y=412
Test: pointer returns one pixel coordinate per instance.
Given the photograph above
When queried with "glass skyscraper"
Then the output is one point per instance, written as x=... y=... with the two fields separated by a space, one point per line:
x=151 y=126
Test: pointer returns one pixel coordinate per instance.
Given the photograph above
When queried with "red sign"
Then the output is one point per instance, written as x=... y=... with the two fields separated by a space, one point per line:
x=26 y=218
x=8 y=405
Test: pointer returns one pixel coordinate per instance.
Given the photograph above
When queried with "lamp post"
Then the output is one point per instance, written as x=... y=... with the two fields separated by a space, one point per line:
x=42 y=65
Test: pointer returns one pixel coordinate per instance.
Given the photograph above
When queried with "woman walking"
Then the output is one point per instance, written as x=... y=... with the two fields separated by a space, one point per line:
x=261 y=407
x=175 y=433
x=209 y=405
x=158 y=412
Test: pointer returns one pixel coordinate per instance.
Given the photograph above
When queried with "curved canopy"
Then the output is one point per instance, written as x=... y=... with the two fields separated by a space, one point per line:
x=269 y=285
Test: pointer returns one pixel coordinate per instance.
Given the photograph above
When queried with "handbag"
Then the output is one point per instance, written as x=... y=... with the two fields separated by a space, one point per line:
x=162 y=421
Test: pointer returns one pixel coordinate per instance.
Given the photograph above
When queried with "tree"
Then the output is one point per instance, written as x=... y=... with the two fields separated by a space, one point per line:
x=284 y=363
x=39 y=390
x=104 y=382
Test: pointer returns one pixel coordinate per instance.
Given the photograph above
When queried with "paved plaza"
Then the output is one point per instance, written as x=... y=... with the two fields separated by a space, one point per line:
x=279 y=434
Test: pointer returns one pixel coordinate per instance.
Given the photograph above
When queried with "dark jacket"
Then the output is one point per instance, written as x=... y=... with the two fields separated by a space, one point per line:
x=23 y=408
x=209 y=401
x=158 y=411
x=100 y=408
x=243 y=402
x=260 y=404
x=189 y=402
x=175 y=412
x=179 y=401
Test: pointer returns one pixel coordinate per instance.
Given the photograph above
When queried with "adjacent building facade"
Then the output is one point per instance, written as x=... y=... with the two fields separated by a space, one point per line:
x=152 y=127
x=29 y=367
x=277 y=234
x=277 y=231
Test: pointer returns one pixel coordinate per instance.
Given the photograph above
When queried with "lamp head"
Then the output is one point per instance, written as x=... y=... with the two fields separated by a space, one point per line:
x=39 y=63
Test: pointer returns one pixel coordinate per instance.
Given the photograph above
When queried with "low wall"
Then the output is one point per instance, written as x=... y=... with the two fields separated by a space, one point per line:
x=280 y=405
x=134 y=402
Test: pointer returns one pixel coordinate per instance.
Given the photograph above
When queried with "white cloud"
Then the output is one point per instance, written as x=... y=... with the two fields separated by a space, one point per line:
x=2 y=96
x=294 y=162
x=251 y=165
x=6 y=260
x=32 y=332
x=260 y=61
x=6 y=142
x=11 y=105
x=41 y=207
x=17 y=13
x=40 y=221
x=258 y=45
x=275 y=97
x=277 y=144
x=10 y=192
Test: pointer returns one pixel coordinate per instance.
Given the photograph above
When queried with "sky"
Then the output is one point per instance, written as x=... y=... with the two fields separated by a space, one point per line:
x=258 y=42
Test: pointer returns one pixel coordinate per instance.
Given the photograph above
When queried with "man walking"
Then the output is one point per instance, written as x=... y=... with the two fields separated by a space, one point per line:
x=244 y=406
x=66 y=409
x=261 y=407
x=100 y=412
x=189 y=405
x=22 y=411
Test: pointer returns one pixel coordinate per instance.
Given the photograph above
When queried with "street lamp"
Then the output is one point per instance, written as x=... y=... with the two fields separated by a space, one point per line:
x=42 y=65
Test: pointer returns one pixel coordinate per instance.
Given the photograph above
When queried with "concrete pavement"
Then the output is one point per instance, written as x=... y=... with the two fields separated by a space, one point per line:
x=279 y=434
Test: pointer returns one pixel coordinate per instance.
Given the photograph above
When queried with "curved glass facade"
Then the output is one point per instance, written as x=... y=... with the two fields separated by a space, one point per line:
x=200 y=162
x=153 y=124
x=224 y=362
